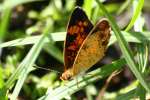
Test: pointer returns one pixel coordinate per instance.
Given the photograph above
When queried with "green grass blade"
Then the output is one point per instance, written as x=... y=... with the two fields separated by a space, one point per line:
x=3 y=92
x=4 y=23
x=125 y=48
x=127 y=92
x=59 y=36
x=88 y=7
x=51 y=48
x=136 y=37
x=26 y=65
x=75 y=85
x=142 y=56
x=124 y=6
x=141 y=92
x=136 y=14
x=127 y=96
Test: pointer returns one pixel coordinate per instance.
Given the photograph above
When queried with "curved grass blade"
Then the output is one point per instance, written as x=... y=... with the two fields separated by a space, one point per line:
x=59 y=36
x=136 y=37
x=26 y=65
x=74 y=85
x=136 y=14
x=125 y=48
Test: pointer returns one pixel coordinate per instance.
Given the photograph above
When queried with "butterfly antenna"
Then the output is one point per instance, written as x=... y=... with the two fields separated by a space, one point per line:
x=35 y=66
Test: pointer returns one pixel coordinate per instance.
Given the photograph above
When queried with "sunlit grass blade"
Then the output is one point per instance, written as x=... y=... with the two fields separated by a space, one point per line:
x=127 y=96
x=133 y=90
x=125 y=48
x=51 y=48
x=136 y=14
x=25 y=66
x=75 y=85
x=128 y=92
x=59 y=36
x=136 y=37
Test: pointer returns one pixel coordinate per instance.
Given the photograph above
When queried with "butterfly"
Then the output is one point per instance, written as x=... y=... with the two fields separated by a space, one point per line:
x=85 y=44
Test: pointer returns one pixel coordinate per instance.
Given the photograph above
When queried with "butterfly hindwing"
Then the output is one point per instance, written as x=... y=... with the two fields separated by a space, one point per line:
x=79 y=27
x=93 y=48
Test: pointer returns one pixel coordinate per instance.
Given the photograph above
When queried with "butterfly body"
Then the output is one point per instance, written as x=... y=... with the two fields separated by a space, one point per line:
x=85 y=45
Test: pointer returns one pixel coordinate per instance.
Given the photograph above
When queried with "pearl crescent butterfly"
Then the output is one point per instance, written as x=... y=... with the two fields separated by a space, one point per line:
x=85 y=44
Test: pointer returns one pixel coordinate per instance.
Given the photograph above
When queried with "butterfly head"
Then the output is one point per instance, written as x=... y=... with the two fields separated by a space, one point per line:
x=67 y=75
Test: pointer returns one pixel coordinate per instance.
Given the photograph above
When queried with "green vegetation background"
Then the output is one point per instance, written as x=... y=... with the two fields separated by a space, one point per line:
x=31 y=50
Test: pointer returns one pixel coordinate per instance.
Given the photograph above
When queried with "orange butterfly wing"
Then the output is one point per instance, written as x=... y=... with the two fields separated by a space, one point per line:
x=78 y=28
x=93 y=48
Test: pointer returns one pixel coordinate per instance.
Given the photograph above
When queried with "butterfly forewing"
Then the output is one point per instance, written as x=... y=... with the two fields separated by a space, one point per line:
x=93 y=48
x=79 y=27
